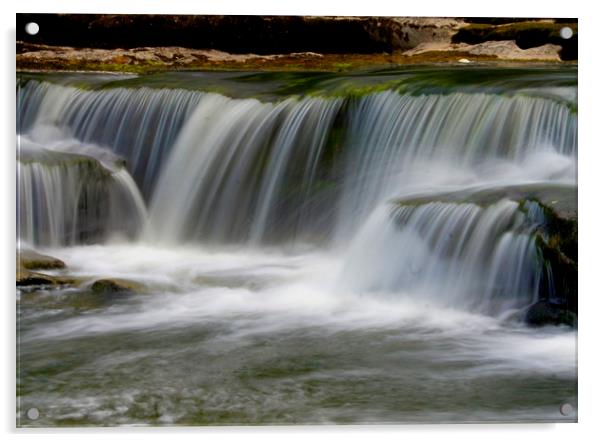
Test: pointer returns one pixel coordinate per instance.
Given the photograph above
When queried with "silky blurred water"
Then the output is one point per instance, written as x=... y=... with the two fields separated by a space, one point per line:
x=231 y=337
x=309 y=254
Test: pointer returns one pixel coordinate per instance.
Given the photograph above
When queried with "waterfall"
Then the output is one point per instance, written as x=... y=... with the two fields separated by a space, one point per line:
x=66 y=198
x=399 y=143
x=460 y=254
x=138 y=124
x=361 y=175
x=75 y=201
x=249 y=157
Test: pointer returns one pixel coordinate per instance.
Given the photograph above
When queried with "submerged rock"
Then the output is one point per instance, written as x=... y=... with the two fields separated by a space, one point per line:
x=545 y=313
x=114 y=286
x=29 y=279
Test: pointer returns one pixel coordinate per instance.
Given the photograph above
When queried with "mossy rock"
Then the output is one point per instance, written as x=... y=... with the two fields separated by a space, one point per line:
x=32 y=260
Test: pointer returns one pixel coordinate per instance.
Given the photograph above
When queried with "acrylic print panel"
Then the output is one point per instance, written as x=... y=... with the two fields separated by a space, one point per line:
x=229 y=220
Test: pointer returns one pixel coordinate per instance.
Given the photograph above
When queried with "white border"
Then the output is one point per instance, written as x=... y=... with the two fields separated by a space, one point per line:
x=590 y=146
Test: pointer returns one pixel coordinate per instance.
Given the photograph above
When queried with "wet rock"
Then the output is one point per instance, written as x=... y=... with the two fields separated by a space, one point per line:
x=557 y=244
x=30 y=259
x=544 y=313
x=560 y=200
x=29 y=279
x=559 y=283
x=115 y=286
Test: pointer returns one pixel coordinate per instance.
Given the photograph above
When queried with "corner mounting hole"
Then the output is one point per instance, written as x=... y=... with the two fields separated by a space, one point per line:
x=32 y=28
x=33 y=414
x=566 y=409
x=566 y=32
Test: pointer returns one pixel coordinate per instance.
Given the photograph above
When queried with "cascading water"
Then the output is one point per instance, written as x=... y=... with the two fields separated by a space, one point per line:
x=398 y=143
x=66 y=198
x=460 y=255
x=138 y=124
x=217 y=169
x=249 y=157
x=401 y=212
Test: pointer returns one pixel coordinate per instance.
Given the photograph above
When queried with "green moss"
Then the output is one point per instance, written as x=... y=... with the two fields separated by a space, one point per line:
x=342 y=66
x=273 y=86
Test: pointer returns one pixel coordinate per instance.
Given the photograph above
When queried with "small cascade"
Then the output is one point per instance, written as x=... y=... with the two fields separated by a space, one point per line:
x=400 y=142
x=461 y=255
x=68 y=199
x=139 y=125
